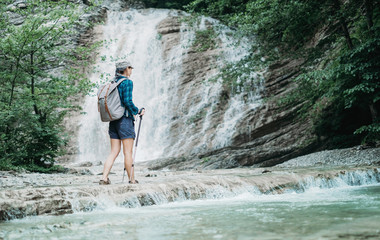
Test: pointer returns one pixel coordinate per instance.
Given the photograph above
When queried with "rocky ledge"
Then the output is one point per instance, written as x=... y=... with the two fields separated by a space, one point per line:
x=223 y=158
x=27 y=194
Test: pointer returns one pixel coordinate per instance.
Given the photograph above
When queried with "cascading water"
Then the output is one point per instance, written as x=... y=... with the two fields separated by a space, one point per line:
x=168 y=128
x=129 y=35
x=220 y=189
x=344 y=206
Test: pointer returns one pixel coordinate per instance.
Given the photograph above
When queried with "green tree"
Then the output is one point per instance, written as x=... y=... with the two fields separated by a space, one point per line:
x=339 y=42
x=42 y=74
x=346 y=92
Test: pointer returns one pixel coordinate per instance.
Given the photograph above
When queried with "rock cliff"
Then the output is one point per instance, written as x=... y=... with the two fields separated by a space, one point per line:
x=264 y=136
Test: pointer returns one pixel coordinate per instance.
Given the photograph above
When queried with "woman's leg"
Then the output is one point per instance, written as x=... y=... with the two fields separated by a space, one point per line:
x=127 y=150
x=115 y=150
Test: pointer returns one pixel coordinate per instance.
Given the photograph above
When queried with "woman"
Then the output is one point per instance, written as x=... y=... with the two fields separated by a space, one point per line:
x=122 y=131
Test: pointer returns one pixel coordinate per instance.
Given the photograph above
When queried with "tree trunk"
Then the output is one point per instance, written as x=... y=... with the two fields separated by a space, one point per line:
x=374 y=112
x=344 y=26
x=33 y=83
x=368 y=5
x=346 y=33
x=16 y=70
x=13 y=87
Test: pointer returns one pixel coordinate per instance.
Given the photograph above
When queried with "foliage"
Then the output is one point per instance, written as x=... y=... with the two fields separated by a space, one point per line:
x=41 y=74
x=339 y=41
x=274 y=23
x=371 y=132
x=339 y=97
x=197 y=116
x=220 y=9
x=205 y=40
x=241 y=76
x=178 y=4
x=205 y=159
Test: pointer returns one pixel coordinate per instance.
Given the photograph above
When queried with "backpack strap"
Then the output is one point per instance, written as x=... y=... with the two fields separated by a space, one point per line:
x=105 y=102
x=121 y=80
x=100 y=92
x=118 y=83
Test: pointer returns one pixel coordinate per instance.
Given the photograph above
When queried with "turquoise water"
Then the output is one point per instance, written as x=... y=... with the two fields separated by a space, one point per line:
x=338 y=213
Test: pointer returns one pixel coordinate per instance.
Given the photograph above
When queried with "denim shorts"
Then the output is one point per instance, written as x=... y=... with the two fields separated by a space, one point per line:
x=122 y=128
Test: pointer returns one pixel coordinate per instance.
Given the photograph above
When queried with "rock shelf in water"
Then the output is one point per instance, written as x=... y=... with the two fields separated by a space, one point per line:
x=37 y=194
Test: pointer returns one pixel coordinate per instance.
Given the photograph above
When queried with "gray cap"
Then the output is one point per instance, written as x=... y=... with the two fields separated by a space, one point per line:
x=123 y=65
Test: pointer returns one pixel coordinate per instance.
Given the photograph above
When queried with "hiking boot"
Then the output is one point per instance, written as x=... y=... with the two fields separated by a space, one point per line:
x=102 y=182
x=134 y=182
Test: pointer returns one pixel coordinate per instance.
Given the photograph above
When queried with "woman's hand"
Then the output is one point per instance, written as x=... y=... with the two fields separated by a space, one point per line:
x=142 y=112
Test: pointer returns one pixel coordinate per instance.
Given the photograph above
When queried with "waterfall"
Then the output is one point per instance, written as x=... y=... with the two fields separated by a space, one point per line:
x=180 y=118
x=129 y=35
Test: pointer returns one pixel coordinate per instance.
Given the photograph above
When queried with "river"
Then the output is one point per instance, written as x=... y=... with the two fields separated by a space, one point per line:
x=344 y=212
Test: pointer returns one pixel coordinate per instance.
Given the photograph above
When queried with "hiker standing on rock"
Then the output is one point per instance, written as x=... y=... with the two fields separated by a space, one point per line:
x=123 y=129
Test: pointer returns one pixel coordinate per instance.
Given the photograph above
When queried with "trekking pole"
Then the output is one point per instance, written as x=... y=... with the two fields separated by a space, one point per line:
x=134 y=152
x=123 y=175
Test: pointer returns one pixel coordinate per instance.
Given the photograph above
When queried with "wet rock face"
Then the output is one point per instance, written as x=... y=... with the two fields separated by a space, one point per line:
x=186 y=125
x=274 y=135
x=269 y=135
x=264 y=136
x=169 y=29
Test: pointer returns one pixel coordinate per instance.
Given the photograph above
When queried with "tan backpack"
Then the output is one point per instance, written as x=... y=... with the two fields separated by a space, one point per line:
x=109 y=103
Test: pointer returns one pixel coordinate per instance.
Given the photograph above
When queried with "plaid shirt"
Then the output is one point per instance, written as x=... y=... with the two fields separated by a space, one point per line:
x=125 y=91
